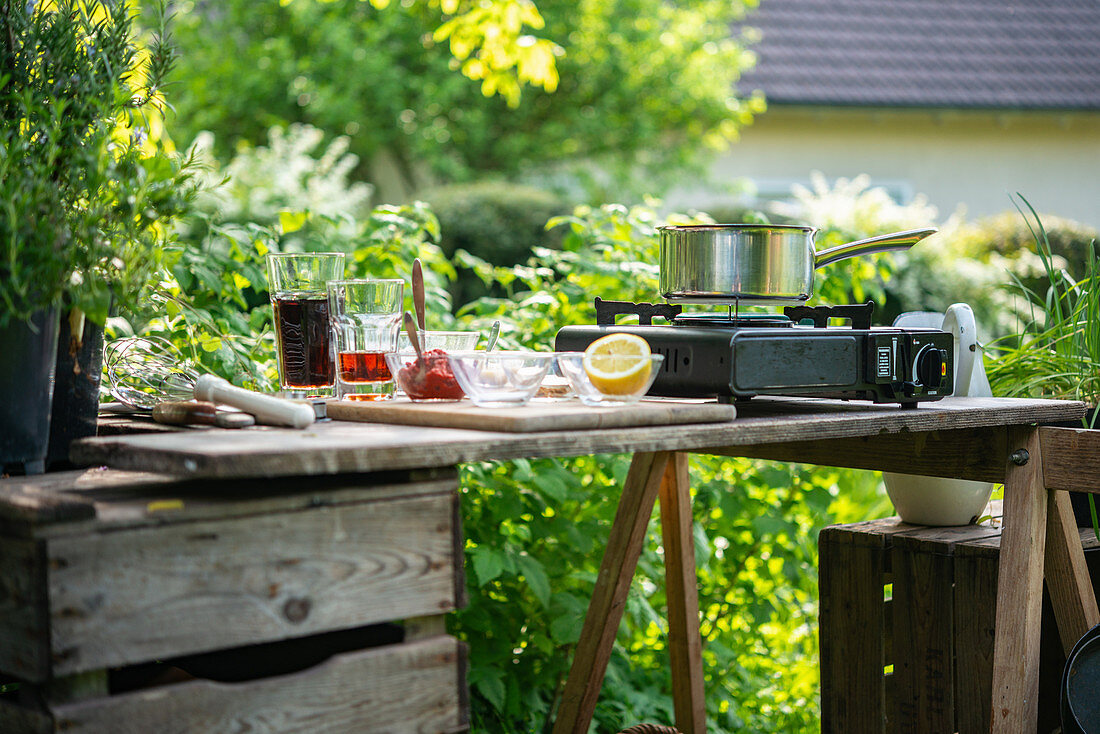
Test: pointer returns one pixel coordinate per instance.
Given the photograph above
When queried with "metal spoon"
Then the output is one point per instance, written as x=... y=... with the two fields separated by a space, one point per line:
x=494 y=332
x=418 y=293
x=410 y=327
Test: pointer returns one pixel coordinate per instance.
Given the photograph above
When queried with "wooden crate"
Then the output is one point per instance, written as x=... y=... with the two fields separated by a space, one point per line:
x=106 y=572
x=906 y=628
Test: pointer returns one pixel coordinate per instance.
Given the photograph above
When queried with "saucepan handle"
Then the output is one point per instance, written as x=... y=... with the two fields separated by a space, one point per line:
x=881 y=243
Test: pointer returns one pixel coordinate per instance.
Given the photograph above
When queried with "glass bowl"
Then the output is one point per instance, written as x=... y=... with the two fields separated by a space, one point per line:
x=500 y=379
x=432 y=381
x=571 y=365
x=448 y=341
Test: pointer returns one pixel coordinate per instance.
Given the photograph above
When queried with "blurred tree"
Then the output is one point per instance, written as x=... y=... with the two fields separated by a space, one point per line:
x=643 y=87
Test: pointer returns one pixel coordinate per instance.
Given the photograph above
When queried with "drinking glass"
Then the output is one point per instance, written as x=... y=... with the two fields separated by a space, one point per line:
x=366 y=318
x=302 y=331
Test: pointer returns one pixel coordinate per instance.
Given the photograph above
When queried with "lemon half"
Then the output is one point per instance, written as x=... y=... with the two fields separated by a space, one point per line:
x=618 y=364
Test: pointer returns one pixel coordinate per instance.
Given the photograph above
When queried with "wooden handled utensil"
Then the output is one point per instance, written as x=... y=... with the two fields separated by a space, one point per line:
x=268 y=410
x=202 y=413
x=418 y=293
x=410 y=328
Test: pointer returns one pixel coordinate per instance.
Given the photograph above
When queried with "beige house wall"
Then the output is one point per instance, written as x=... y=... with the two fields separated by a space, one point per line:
x=955 y=158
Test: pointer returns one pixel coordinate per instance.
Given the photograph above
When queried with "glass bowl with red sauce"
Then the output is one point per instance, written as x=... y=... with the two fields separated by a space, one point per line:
x=427 y=380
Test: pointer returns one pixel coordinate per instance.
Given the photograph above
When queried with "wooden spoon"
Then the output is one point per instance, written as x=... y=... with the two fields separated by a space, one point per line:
x=410 y=327
x=418 y=293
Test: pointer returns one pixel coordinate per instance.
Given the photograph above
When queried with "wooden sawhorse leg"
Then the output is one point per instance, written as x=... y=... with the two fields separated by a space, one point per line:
x=685 y=645
x=651 y=474
x=1038 y=529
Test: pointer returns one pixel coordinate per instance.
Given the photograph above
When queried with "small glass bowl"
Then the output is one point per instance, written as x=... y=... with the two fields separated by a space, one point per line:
x=500 y=379
x=448 y=341
x=430 y=382
x=571 y=365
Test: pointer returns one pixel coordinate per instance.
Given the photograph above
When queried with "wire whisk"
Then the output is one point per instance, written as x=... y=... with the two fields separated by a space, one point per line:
x=143 y=371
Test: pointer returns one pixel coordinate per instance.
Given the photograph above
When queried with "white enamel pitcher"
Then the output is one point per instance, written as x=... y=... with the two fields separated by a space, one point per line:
x=934 y=500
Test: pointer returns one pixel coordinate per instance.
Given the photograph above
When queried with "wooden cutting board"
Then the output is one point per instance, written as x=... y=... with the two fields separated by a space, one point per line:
x=565 y=415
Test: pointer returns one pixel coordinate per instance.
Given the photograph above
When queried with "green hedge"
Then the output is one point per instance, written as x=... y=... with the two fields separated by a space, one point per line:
x=496 y=221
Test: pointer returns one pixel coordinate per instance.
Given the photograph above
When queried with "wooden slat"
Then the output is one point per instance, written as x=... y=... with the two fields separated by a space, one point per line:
x=851 y=626
x=923 y=644
x=151 y=593
x=413 y=687
x=175 y=501
x=24 y=625
x=682 y=590
x=19 y=720
x=22 y=504
x=1071 y=458
x=1067 y=576
x=937 y=454
x=1019 y=591
x=335 y=447
x=605 y=610
x=975 y=609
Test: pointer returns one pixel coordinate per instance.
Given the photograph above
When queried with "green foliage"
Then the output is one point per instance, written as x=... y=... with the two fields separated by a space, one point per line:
x=1057 y=352
x=211 y=298
x=496 y=221
x=1072 y=245
x=87 y=194
x=488 y=43
x=980 y=262
x=535 y=531
x=293 y=172
x=646 y=82
x=852 y=210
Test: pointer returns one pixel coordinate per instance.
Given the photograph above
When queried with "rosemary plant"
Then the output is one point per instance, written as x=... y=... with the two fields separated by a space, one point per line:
x=84 y=188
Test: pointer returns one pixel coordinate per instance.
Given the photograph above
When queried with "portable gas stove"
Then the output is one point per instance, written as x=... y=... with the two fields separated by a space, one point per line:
x=797 y=353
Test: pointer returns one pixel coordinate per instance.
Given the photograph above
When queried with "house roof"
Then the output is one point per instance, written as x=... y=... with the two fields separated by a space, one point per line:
x=970 y=54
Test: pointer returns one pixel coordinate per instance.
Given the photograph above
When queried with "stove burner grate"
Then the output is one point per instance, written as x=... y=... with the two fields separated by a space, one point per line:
x=858 y=315
x=741 y=321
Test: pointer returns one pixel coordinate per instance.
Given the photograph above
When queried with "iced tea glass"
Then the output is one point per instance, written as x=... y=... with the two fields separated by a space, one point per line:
x=297 y=282
x=366 y=318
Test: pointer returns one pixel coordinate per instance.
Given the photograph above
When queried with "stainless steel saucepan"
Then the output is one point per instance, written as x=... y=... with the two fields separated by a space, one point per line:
x=750 y=263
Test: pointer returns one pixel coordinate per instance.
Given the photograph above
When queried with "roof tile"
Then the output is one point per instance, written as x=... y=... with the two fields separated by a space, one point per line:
x=994 y=54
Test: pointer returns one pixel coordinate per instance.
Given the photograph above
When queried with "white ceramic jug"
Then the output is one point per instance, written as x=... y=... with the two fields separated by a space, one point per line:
x=934 y=500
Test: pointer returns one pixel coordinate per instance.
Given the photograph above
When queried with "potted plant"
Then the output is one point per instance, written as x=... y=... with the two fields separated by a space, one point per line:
x=1057 y=352
x=86 y=187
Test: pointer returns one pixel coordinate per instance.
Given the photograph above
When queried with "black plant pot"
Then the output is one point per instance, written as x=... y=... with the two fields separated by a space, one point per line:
x=76 y=388
x=28 y=353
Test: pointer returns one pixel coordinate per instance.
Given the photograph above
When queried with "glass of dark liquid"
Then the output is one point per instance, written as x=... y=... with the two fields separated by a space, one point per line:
x=303 y=336
x=366 y=318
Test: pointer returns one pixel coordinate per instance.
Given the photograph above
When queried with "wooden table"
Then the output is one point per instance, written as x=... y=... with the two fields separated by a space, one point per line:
x=970 y=438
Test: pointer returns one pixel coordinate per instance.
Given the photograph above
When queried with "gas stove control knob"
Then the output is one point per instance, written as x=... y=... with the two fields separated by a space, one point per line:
x=931 y=367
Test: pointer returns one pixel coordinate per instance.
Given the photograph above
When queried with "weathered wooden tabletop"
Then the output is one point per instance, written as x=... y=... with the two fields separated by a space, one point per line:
x=338 y=447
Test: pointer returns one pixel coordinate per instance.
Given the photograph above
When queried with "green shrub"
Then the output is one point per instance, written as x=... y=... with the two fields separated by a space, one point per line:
x=211 y=298
x=850 y=210
x=497 y=221
x=978 y=262
x=1008 y=234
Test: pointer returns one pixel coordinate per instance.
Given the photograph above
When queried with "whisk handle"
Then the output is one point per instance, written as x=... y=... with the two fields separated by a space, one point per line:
x=184 y=413
x=267 y=409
